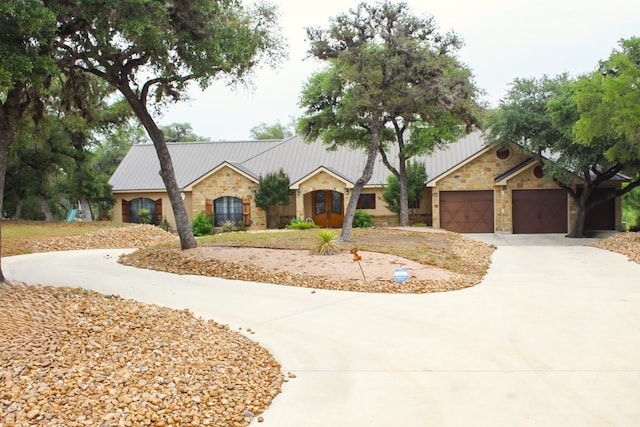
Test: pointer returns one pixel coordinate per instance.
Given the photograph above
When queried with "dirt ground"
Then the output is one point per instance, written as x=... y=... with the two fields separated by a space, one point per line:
x=374 y=265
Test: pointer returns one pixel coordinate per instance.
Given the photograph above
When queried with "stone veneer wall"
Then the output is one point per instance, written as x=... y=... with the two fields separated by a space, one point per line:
x=480 y=174
x=320 y=181
x=228 y=182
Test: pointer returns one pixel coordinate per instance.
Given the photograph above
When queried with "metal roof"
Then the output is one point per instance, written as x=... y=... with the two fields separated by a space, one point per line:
x=139 y=170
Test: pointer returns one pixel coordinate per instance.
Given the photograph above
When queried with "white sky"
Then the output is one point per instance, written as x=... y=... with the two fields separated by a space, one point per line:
x=504 y=40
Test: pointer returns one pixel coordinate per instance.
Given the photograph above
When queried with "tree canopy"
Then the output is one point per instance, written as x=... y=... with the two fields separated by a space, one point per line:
x=274 y=131
x=273 y=191
x=388 y=67
x=416 y=180
x=150 y=51
x=584 y=137
x=181 y=132
x=26 y=32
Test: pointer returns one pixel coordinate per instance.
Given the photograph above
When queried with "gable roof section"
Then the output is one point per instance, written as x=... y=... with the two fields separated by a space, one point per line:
x=516 y=170
x=454 y=156
x=139 y=170
x=296 y=184
x=237 y=167
x=299 y=158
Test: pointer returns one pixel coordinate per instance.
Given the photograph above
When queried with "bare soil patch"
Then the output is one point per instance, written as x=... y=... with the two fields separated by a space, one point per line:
x=436 y=261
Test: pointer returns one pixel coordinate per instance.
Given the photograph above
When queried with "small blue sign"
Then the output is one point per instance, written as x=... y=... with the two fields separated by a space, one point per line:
x=400 y=275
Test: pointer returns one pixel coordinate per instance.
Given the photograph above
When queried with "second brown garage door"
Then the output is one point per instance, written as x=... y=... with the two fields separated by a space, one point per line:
x=539 y=211
x=466 y=211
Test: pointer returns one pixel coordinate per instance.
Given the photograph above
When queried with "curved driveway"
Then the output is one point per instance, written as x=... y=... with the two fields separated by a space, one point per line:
x=551 y=337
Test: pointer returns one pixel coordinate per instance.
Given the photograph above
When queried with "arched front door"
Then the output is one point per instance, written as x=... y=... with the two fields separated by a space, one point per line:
x=328 y=209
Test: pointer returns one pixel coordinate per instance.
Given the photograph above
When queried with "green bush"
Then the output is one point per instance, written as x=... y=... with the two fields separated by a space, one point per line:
x=201 y=225
x=164 y=224
x=362 y=219
x=301 y=224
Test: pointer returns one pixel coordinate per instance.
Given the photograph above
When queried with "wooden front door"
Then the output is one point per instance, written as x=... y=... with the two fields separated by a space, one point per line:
x=328 y=209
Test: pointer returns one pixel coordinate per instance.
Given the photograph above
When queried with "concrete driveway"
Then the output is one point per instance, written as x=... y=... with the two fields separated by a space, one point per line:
x=551 y=337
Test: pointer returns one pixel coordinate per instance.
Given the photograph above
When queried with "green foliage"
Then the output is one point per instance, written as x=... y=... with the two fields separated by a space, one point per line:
x=144 y=216
x=631 y=209
x=609 y=104
x=28 y=27
x=274 y=131
x=181 y=132
x=273 y=189
x=388 y=72
x=328 y=244
x=164 y=224
x=361 y=219
x=152 y=50
x=301 y=224
x=548 y=115
x=416 y=179
x=201 y=225
x=227 y=226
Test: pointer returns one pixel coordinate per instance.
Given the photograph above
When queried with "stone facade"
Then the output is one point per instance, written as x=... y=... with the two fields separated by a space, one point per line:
x=480 y=174
x=320 y=181
x=227 y=182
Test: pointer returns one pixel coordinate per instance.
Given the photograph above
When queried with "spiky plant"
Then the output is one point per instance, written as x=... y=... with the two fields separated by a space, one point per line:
x=328 y=244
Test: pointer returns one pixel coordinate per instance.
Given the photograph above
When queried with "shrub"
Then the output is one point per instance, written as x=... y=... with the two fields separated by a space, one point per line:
x=164 y=224
x=362 y=219
x=328 y=244
x=227 y=226
x=301 y=224
x=201 y=226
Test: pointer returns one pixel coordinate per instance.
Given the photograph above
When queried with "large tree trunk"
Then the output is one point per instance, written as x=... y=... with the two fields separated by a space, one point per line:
x=6 y=137
x=187 y=240
x=46 y=211
x=577 y=228
x=404 y=192
x=85 y=210
x=360 y=183
x=18 y=212
x=10 y=111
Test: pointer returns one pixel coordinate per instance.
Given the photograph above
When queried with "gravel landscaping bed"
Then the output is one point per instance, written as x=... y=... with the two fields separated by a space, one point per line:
x=627 y=244
x=70 y=357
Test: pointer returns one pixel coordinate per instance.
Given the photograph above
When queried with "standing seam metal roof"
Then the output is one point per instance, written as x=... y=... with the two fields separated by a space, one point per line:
x=139 y=170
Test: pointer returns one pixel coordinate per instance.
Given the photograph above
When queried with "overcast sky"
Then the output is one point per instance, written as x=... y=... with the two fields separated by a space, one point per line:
x=504 y=40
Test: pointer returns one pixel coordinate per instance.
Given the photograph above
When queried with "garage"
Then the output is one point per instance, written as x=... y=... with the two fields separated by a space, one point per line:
x=467 y=211
x=539 y=211
x=603 y=215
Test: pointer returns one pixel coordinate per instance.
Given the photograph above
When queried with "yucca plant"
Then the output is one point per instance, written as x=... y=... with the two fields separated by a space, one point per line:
x=328 y=244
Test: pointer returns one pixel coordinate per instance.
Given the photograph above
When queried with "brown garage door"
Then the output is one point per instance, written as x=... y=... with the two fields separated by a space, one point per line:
x=467 y=211
x=539 y=211
x=602 y=216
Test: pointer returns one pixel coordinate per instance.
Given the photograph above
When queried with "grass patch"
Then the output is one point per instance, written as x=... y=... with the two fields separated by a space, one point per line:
x=450 y=251
x=18 y=235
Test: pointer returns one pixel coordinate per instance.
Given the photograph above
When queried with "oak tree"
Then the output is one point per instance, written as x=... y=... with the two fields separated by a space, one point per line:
x=151 y=50
x=395 y=68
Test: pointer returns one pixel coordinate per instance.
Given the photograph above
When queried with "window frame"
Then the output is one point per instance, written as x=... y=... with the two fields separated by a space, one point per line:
x=372 y=201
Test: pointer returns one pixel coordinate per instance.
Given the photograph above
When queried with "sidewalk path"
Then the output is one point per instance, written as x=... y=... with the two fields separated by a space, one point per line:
x=551 y=337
